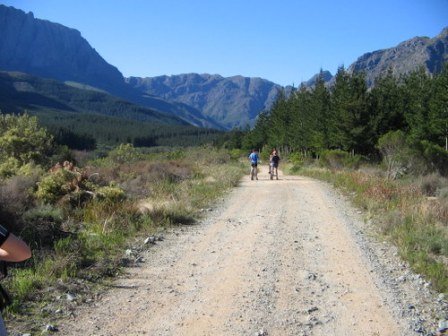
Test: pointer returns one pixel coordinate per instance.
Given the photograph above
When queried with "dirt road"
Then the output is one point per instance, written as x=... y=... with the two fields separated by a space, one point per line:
x=276 y=258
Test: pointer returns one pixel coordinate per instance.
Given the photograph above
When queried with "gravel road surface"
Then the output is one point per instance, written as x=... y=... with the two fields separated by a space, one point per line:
x=286 y=257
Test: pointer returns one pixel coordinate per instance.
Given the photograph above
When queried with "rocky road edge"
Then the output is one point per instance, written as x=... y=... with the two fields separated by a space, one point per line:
x=410 y=296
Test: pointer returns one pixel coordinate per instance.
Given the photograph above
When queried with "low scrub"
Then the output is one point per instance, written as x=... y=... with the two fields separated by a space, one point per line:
x=79 y=220
x=403 y=155
x=338 y=159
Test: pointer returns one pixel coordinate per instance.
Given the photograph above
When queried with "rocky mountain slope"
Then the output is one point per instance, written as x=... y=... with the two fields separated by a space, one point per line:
x=232 y=101
x=50 y=50
x=431 y=53
x=326 y=76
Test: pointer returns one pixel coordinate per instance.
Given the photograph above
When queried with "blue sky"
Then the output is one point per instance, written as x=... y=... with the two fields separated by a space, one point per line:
x=285 y=41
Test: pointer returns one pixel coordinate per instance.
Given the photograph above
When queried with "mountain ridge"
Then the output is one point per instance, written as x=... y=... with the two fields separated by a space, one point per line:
x=20 y=91
x=232 y=101
x=405 y=57
x=52 y=44
x=50 y=50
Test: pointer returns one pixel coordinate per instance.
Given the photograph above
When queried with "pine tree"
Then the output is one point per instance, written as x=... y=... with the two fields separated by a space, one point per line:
x=302 y=123
x=280 y=120
x=386 y=106
x=319 y=122
x=438 y=109
x=417 y=89
x=349 y=122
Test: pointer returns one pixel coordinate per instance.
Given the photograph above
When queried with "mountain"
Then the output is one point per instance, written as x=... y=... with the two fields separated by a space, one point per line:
x=230 y=101
x=326 y=76
x=50 y=50
x=19 y=92
x=431 y=53
x=75 y=115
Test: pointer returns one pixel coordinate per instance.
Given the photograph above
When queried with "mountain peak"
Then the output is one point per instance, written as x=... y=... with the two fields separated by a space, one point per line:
x=407 y=56
x=443 y=34
x=231 y=101
x=324 y=74
x=51 y=57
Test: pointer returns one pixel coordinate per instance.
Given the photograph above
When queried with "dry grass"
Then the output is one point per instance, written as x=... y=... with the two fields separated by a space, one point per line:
x=87 y=239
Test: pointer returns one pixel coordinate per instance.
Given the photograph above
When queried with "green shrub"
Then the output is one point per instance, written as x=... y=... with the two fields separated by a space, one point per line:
x=443 y=193
x=395 y=150
x=54 y=185
x=8 y=167
x=338 y=159
x=16 y=193
x=403 y=156
x=26 y=281
x=66 y=185
x=110 y=193
x=236 y=154
x=23 y=139
x=124 y=153
x=296 y=159
x=42 y=225
x=436 y=157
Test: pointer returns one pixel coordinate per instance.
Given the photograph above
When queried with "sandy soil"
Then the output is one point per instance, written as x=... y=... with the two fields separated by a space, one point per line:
x=275 y=258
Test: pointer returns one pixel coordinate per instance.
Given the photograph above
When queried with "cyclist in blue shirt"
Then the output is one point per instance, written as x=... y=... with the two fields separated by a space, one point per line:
x=254 y=158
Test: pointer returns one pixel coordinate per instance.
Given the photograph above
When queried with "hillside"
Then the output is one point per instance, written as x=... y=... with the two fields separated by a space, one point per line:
x=430 y=53
x=74 y=113
x=406 y=57
x=232 y=101
x=21 y=92
x=51 y=50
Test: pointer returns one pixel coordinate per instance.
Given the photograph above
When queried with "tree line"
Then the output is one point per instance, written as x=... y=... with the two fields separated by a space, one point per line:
x=86 y=131
x=351 y=117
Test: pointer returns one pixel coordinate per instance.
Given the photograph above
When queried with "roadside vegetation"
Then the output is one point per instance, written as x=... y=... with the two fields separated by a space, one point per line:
x=410 y=212
x=80 y=211
x=386 y=146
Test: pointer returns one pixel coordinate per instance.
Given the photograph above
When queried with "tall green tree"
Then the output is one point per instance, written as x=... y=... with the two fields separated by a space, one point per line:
x=279 y=122
x=417 y=91
x=302 y=120
x=319 y=121
x=386 y=106
x=257 y=137
x=350 y=117
x=438 y=109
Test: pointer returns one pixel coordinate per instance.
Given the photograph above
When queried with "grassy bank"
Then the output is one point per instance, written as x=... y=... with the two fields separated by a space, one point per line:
x=412 y=213
x=79 y=234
